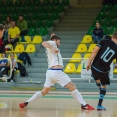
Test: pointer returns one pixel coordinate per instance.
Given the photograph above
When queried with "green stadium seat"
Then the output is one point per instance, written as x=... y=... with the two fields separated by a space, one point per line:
x=4 y=16
x=27 y=3
x=1 y=3
x=30 y=23
x=54 y=16
x=3 y=10
x=41 y=9
x=20 y=10
x=55 y=2
x=15 y=16
x=30 y=9
x=107 y=23
x=18 y=3
x=49 y=9
x=26 y=16
x=90 y=31
x=49 y=23
x=46 y=3
x=35 y=16
x=36 y=3
x=59 y=9
x=115 y=23
x=112 y=15
x=1 y=22
x=11 y=10
x=114 y=8
x=65 y=2
x=112 y=30
x=102 y=15
x=32 y=32
x=38 y=24
x=44 y=16
x=9 y=3
x=106 y=8
x=43 y=31
x=105 y=30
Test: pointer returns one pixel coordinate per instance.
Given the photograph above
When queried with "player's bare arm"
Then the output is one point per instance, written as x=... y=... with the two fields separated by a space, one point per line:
x=47 y=45
x=94 y=53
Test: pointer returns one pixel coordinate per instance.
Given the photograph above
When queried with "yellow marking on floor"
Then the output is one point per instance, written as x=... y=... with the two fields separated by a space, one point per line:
x=3 y=105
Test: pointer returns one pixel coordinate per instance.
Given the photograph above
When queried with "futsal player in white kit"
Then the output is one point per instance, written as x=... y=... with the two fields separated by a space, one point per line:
x=55 y=74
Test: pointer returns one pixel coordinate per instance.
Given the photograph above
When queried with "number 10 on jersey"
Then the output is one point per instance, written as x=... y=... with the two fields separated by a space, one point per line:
x=106 y=53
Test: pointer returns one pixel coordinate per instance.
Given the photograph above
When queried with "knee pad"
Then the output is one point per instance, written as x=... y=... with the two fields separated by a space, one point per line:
x=98 y=84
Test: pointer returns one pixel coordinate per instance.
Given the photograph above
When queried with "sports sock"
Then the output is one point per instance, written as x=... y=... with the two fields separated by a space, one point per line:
x=76 y=94
x=36 y=96
x=102 y=94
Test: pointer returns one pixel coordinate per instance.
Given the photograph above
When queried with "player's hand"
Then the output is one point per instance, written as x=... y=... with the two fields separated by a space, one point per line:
x=88 y=67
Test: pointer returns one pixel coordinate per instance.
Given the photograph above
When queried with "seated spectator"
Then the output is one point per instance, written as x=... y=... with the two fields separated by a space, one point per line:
x=2 y=28
x=2 y=46
x=14 y=67
x=3 y=64
x=7 y=26
x=97 y=33
x=23 y=26
x=13 y=34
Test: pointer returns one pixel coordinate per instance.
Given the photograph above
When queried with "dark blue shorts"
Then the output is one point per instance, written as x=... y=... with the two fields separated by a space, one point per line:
x=103 y=77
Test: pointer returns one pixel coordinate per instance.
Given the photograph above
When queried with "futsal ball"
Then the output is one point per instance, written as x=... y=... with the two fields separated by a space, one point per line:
x=4 y=79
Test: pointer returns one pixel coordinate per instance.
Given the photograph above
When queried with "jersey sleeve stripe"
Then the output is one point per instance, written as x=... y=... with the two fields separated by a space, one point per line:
x=99 y=45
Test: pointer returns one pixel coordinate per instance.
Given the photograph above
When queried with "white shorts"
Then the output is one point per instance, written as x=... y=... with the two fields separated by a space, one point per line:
x=56 y=76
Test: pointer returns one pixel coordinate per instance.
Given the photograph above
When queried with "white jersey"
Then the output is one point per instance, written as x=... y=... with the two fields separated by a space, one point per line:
x=53 y=58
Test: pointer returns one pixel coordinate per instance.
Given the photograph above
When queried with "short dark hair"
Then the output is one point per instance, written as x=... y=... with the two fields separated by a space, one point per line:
x=13 y=21
x=55 y=38
x=115 y=35
x=21 y=15
x=2 y=27
x=108 y=37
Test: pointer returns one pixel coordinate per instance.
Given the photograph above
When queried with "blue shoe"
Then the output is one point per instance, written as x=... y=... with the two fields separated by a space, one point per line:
x=101 y=108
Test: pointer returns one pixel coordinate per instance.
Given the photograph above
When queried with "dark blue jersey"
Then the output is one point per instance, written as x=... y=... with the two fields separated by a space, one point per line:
x=105 y=56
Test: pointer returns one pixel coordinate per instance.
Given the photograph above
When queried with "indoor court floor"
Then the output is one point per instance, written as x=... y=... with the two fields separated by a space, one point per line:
x=55 y=106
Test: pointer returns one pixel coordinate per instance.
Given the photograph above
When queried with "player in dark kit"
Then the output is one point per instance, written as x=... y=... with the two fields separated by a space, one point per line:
x=99 y=61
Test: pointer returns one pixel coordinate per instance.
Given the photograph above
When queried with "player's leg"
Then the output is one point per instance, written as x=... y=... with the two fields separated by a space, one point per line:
x=105 y=80
x=76 y=94
x=47 y=87
x=36 y=96
x=98 y=83
x=95 y=77
x=101 y=80
x=101 y=97
x=65 y=81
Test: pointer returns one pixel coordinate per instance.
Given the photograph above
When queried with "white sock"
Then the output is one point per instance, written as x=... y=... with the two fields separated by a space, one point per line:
x=76 y=94
x=36 y=96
